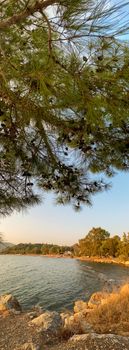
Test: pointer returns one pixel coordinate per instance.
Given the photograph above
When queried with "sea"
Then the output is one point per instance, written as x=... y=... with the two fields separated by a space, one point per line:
x=55 y=283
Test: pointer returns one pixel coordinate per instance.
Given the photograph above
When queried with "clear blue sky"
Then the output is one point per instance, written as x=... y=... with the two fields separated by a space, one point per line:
x=61 y=224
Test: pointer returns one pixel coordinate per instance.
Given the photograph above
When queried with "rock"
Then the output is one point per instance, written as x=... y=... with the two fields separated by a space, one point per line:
x=32 y=314
x=29 y=346
x=78 y=338
x=83 y=325
x=96 y=299
x=80 y=306
x=70 y=324
x=77 y=323
x=48 y=321
x=65 y=315
x=9 y=302
x=15 y=312
x=98 y=342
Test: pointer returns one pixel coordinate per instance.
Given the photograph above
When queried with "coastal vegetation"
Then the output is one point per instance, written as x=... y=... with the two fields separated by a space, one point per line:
x=112 y=315
x=100 y=323
x=38 y=248
x=97 y=243
x=64 y=76
x=64 y=121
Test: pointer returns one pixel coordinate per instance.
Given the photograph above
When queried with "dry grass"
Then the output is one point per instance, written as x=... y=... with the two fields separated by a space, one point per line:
x=113 y=315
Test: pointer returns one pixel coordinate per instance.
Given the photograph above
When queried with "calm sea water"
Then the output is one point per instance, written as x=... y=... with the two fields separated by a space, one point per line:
x=54 y=284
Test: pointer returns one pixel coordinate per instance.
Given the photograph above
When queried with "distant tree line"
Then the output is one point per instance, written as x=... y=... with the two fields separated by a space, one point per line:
x=99 y=243
x=37 y=248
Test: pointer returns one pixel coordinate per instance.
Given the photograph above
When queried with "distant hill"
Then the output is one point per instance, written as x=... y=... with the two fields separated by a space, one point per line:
x=5 y=245
x=38 y=248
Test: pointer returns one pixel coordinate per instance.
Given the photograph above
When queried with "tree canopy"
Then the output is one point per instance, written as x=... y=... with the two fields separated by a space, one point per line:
x=91 y=244
x=99 y=243
x=64 y=90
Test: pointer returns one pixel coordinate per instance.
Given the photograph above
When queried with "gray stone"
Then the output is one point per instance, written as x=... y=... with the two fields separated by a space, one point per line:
x=15 y=312
x=78 y=337
x=98 y=342
x=32 y=314
x=48 y=321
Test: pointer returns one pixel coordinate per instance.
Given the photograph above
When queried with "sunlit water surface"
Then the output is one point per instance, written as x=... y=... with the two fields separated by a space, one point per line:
x=52 y=283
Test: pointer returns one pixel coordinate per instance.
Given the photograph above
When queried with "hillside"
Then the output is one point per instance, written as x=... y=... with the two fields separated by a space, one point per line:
x=5 y=245
x=38 y=248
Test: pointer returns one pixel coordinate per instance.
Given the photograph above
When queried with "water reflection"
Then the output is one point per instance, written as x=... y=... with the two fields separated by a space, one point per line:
x=54 y=283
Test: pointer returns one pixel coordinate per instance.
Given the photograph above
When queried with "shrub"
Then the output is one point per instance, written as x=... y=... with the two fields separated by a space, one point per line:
x=113 y=315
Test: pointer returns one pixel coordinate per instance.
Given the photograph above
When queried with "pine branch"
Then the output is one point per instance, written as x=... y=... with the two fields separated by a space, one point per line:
x=29 y=11
x=49 y=33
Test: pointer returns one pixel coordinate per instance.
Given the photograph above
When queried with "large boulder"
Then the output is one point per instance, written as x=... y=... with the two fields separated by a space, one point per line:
x=70 y=325
x=82 y=323
x=76 y=323
x=65 y=316
x=98 y=341
x=9 y=302
x=97 y=299
x=48 y=321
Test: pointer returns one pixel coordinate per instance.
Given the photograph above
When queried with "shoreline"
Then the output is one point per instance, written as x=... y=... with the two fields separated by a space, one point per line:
x=56 y=256
x=103 y=260
x=38 y=329
x=81 y=258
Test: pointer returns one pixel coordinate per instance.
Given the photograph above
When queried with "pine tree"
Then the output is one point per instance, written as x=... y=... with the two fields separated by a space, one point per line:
x=64 y=81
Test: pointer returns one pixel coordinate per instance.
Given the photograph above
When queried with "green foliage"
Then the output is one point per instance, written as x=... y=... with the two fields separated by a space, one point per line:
x=123 y=248
x=91 y=244
x=99 y=243
x=110 y=246
x=96 y=243
x=76 y=249
x=63 y=115
x=37 y=248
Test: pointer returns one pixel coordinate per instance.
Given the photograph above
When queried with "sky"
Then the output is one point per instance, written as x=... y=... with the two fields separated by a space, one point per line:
x=48 y=223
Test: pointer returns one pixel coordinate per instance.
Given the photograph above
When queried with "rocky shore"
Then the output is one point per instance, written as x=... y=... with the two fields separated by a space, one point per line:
x=104 y=260
x=102 y=323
